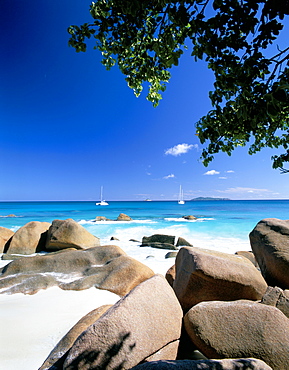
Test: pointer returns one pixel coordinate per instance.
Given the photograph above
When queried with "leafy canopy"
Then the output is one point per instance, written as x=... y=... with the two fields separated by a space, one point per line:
x=237 y=38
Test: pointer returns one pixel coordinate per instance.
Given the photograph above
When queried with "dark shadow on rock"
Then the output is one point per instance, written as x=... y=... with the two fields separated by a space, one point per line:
x=95 y=360
x=42 y=241
x=236 y=364
x=7 y=245
x=187 y=350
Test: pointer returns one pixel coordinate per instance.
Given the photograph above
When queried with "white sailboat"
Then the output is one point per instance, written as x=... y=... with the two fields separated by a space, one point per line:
x=181 y=196
x=102 y=201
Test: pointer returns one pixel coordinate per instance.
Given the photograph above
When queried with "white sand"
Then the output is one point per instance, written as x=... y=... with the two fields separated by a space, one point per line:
x=31 y=326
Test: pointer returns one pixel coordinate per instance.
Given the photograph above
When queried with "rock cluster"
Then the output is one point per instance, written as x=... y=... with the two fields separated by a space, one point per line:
x=212 y=311
x=163 y=241
x=36 y=237
x=104 y=267
x=120 y=217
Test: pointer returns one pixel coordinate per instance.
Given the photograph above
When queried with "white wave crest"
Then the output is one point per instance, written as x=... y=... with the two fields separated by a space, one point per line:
x=181 y=219
x=111 y=222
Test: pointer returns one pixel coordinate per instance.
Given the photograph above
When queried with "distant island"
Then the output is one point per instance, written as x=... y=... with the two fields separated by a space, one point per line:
x=209 y=198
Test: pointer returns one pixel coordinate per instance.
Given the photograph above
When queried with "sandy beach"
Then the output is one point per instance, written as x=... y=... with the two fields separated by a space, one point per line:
x=32 y=325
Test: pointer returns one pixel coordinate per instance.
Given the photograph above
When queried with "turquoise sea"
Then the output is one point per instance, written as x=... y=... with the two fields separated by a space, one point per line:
x=221 y=225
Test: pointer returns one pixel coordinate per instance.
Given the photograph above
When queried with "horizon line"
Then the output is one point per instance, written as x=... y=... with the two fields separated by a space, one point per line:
x=141 y=200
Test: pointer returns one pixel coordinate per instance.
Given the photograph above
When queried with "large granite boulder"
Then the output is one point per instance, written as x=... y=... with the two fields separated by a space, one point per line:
x=69 y=234
x=106 y=267
x=206 y=275
x=227 y=364
x=137 y=326
x=29 y=239
x=118 y=275
x=270 y=245
x=278 y=298
x=240 y=329
x=5 y=238
x=57 y=355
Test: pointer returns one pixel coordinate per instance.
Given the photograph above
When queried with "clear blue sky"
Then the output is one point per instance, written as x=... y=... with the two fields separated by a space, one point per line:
x=69 y=126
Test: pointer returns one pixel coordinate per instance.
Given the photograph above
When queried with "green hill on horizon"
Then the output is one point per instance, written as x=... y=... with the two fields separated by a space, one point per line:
x=209 y=198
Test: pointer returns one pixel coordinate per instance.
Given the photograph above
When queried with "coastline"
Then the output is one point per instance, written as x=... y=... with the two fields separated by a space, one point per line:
x=32 y=325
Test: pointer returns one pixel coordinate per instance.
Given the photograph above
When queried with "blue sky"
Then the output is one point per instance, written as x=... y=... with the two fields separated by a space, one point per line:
x=68 y=126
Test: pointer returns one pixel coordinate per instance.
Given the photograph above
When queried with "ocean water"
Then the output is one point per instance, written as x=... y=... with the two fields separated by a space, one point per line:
x=220 y=225
x=32 y=325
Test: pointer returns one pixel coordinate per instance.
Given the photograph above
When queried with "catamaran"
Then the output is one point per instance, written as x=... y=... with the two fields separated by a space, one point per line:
x=102 y=201
x=181 y=196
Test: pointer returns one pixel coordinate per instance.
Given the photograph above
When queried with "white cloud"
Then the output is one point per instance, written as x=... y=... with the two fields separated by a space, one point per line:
x=230 y=171
x=180 y=149
x=212 y=172
x=169 y=176
x=223 y=178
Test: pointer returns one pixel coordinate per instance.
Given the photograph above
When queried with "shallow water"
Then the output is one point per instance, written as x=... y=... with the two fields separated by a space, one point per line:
x=222 y=225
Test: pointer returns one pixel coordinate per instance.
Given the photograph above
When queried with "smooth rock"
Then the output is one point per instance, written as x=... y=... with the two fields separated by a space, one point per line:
x=106 y=267
x=270 y=245
x=137 y=326
x=240 y=329
x=69 y=234
x=5 y=238
x=123 y=217
x=29 y=239
x=206 y=275
x=118 y=276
